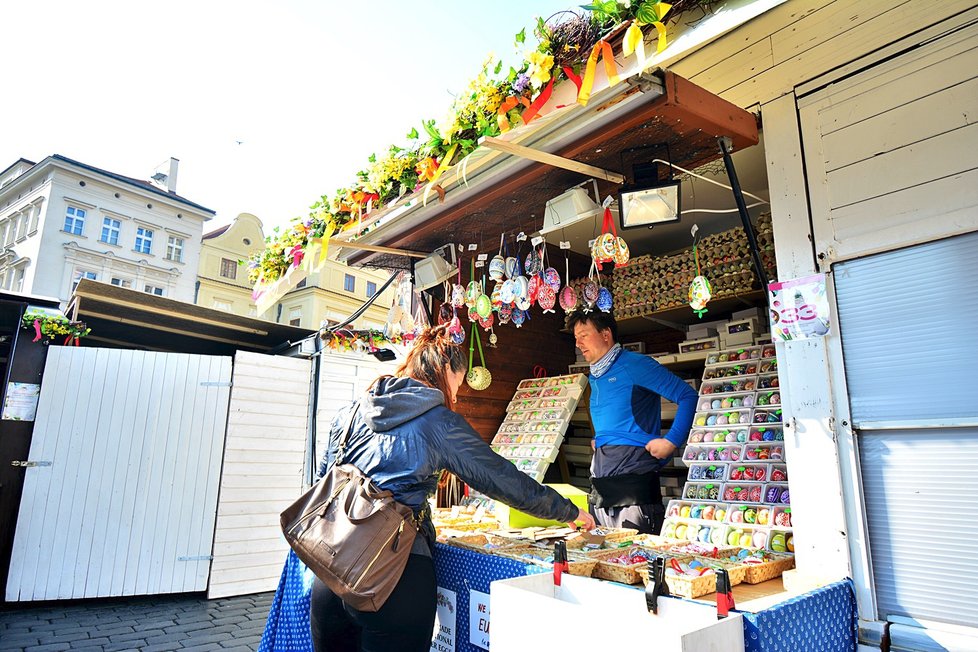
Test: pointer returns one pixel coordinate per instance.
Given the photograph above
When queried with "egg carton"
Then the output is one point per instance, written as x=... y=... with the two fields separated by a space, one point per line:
x=742 y=492
x=556 y=402
x=714 y=435
x=766 y=432
x=750 y=514
x=700 y=511
x=787 y=534
x=578 y=380
x=747 y=536
x=533 y=393
x=777 y=493
x=547 y=414
x=764 y=451
x=782 y=518
x=551 y=439
x=768 y=366
x=742 y=416
x=689 y=530
x=768 y=416
x=723 y=452
x=702 y=491
x=725 y=386
x=768 y=351
x=520 y=405
x=767 y=382
x=744 y=472
x=731 y=370
x=713 y=403
x=736 y=354
x=708 y=472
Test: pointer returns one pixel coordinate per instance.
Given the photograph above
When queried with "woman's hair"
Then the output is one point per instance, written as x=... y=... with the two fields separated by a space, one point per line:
x=432 y=354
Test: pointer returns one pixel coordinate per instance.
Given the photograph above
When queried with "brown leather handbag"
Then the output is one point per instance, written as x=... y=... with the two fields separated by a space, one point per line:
x=353 y=536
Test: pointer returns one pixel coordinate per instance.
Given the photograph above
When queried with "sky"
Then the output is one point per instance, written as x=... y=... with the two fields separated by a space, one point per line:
x=268 y=105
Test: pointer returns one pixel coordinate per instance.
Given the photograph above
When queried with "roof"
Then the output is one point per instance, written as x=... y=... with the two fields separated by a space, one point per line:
x=20 y=160
x=133 y=319
x=216 y=232
x=138 y=183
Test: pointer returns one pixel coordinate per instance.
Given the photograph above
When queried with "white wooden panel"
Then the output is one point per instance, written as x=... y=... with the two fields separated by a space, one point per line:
x=262 y=474
x=134 y=439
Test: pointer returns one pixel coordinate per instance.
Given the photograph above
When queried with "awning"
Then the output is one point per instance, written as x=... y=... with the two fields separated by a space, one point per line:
x=127 y=318
x=495 y=192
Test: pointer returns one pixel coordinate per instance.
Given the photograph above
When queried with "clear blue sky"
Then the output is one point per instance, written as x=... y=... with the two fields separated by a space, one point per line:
x=309 y=88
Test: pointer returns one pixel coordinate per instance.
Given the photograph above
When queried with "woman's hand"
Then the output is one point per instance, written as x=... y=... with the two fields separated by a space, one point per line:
x=585 y=518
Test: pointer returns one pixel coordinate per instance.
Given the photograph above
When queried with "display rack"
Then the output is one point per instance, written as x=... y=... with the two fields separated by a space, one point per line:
x=737 y=487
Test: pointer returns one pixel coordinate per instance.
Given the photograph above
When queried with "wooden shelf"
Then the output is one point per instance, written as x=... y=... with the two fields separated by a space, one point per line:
x=684 y=316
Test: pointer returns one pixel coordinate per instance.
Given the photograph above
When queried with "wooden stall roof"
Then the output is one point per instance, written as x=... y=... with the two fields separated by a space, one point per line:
x=502 y=191
x=123 y=317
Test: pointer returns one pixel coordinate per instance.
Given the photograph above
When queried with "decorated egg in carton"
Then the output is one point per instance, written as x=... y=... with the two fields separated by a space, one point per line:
x=768 y=415
x=777 y=493
x=750 y=514
x=749 y=473
x=702 y=511
x=727 y=386
x=501 y=439
x=766 y=433
x=516 y=417
x=768 y=351
x=768 y=366
x=730 y=370
x=707 y=472
x=767 y=398
x=712 y=453
x=727 y=435
x=747 y=536
x=764 y=515
x=740 y=416
x=742 y=492
x=768 y=381
x=781 y=517
x=528 y=393
x=549 y=392
x=701 y=491
x=560 y=402
x=763 y=451
x=532 y=383
x=781 y=540
x=776 y=472
x=709 y=534
x=523 y=404
x=726 y=402
x=553 y=414
x=739 y=354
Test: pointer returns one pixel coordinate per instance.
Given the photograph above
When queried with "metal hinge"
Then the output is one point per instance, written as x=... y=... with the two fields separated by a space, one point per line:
x=26 y=463
x=216 y=383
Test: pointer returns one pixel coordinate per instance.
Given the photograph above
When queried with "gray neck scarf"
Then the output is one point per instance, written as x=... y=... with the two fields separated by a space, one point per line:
x=601 y=367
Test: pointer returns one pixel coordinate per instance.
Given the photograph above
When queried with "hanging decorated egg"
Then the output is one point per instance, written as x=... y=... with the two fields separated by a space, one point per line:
x=546 y=297
x=552 y=278
x=472 y=293
x=483 y=306
x=473 y=314
x=507 y=293
x=496 y=297
x=700 y=293
x=532 y=263
x=621 y=252
x=456 y=331
x=458 y=295
x=533 y=287
x=487 y=321
x=497 y=268
x=522 y=287
x=522 y=303
x=568 y=298
x=604 y=300
x=590 y=292
x=519 y=316
x=603 y=249
x=505 y=312
x=512 y=267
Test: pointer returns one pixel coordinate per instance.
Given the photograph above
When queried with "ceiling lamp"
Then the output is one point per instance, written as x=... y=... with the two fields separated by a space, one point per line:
x=571 y=207
x=439 y=266
x=649 y=204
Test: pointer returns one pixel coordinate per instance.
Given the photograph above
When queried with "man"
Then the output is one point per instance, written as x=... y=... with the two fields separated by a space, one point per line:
x=626 y=413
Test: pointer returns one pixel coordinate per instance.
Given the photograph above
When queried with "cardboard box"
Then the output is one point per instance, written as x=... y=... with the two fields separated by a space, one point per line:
x=704 y=344
x=757 y=313
x=513 y=518
x=637 y=347
x=737 y=333
x=521 y=604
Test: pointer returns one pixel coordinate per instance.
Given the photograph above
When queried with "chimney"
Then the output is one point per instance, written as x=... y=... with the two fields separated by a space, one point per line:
x=171 y=177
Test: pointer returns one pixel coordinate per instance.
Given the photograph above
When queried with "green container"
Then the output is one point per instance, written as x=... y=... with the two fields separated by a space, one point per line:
x=516 y=519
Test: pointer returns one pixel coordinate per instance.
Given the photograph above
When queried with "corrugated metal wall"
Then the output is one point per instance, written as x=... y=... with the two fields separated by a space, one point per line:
x=127 y=505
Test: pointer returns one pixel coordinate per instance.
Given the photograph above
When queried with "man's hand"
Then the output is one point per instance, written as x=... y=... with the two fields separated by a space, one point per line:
x=585 y=518
x=660 y=448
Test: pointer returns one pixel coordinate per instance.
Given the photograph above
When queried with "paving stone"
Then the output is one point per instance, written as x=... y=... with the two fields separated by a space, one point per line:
x=21 y=640
x=230 y=620
x=207 y=647
x=112 y=629
x=54 y=647
x=190 y=627
x=88 y=648
x=193 y=617
x=161 y=647
x=137 y=636
x=101 y=640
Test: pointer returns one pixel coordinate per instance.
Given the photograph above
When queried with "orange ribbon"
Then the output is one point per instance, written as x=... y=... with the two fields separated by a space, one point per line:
x=508 y=105
x=541 y=99
x=602 y=50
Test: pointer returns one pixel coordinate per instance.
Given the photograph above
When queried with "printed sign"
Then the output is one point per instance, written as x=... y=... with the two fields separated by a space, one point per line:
x=20 y=403
x=799 y=309
x=443 y=636
x=479 y=619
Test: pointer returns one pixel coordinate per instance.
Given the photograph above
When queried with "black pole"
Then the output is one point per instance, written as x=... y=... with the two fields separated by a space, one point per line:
x=755 y=252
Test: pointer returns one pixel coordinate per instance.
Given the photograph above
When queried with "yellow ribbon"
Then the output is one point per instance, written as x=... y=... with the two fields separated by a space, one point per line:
x=438 y=173
x=601 y=50
x=634 y=41
x=316 y=249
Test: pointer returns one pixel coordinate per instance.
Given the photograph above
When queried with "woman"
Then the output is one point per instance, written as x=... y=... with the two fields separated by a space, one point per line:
x=403 y=435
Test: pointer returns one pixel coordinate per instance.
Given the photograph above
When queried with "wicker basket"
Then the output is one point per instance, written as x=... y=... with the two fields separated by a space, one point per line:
x=757 y=573
x=692 y=586
x=735 y=571
x=577 y=564
x=607 y=570
x=615 y=535
x=484 y=543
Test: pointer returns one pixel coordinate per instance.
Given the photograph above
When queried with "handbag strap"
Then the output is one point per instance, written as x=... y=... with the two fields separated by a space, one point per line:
x=341 y=444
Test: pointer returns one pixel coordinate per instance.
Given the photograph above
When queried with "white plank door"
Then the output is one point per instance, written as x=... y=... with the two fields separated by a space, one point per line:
x=262 y=475
x=128 y=502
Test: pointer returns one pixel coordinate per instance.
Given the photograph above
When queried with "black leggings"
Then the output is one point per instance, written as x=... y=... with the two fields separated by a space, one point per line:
x=403 y=624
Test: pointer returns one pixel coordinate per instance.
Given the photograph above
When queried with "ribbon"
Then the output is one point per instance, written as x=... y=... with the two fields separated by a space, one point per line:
x=634 y=41
x=37 y=330
x=541 y=99
x=508 y=105
x=316 y=250
x=601 y=50
x=573 y=76
x=441 y=169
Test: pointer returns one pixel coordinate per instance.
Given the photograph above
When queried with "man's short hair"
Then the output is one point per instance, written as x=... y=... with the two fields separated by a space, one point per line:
x=599 y=319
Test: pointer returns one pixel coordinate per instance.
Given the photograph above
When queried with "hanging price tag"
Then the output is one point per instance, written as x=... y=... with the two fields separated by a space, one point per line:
x=565 y=244
x=480 y=263
x=590 y=243
x=520 y=237
x=537 y=240
x=607 y=201
x=483 y=257
x=473 y=247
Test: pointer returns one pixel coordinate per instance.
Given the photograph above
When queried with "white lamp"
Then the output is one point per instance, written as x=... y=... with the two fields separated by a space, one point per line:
x=571 y=207
x=649 y=205
x=439 y=266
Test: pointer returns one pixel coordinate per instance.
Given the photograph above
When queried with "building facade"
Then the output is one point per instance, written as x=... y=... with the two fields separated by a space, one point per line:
x=62 y=220
x=332 y=294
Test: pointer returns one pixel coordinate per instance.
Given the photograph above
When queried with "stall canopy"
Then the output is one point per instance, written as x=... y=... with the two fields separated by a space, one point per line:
x=127 y=318
x=496 y=192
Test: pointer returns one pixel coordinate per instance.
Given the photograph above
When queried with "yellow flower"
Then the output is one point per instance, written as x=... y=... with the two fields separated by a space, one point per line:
x=540 y=67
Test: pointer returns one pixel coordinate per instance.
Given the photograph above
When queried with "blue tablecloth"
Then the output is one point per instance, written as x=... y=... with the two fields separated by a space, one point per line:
x=824 y=620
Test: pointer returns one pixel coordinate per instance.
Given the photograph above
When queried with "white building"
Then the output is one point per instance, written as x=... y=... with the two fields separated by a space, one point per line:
x=62 y=220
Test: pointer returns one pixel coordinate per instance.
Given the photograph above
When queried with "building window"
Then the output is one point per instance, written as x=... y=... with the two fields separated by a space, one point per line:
x=221 y=305
x=121 y=282
x=153 y=289
x=349 y=283
x=371 y=289
x=74 y=220
x=18 y=280
x=300 y=284
x=144 y=240
x=295 y=316
x=174 y=249
x=79 y=275
x=22 y=225
x=35 y=216
x=229 y=268
x=110 y=231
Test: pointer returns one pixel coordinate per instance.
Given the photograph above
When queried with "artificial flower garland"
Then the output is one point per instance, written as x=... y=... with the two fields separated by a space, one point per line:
x=53 y=326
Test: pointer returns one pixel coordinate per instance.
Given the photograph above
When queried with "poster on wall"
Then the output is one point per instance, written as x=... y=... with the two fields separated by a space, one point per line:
x=443 y=637
x=479 y=619
x=799 y=308
x=20 y=402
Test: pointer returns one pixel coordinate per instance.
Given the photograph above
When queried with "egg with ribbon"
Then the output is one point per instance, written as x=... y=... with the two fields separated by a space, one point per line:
x=568 y=298
x=505 y=312
x=511 y=267
x=483 y=306
x=522 y=287
x=518 y=317
x=497 y=268
x=532 y=265
x=590 y=292
x=522 y=303
x=552 y=278
x=507 y=292
x=533 y=287
x=603 y=249
x=604 y=300
x=546 y=298
x=700 y=293
x=487 y=321
x=472 y=293
x=621 y=252
x=458 y=296
x=497 y=296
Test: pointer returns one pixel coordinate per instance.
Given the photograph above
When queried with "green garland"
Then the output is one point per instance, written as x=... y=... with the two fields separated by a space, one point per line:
x=54 y=326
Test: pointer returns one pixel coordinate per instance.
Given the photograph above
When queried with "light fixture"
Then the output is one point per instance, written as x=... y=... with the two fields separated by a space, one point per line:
x=572 y=206
x=439 y=266
x=645 y=205
x=383 y=355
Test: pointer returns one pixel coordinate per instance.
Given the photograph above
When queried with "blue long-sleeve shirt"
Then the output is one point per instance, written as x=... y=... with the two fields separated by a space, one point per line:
x=625 y=402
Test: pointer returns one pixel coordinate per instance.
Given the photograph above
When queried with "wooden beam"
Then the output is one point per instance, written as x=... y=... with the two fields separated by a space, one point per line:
x=551 y=159
x=159 y=311
x=175 y=331
x=377 y=249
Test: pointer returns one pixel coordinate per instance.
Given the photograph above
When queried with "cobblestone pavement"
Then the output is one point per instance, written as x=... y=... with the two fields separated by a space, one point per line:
x=148 y=624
